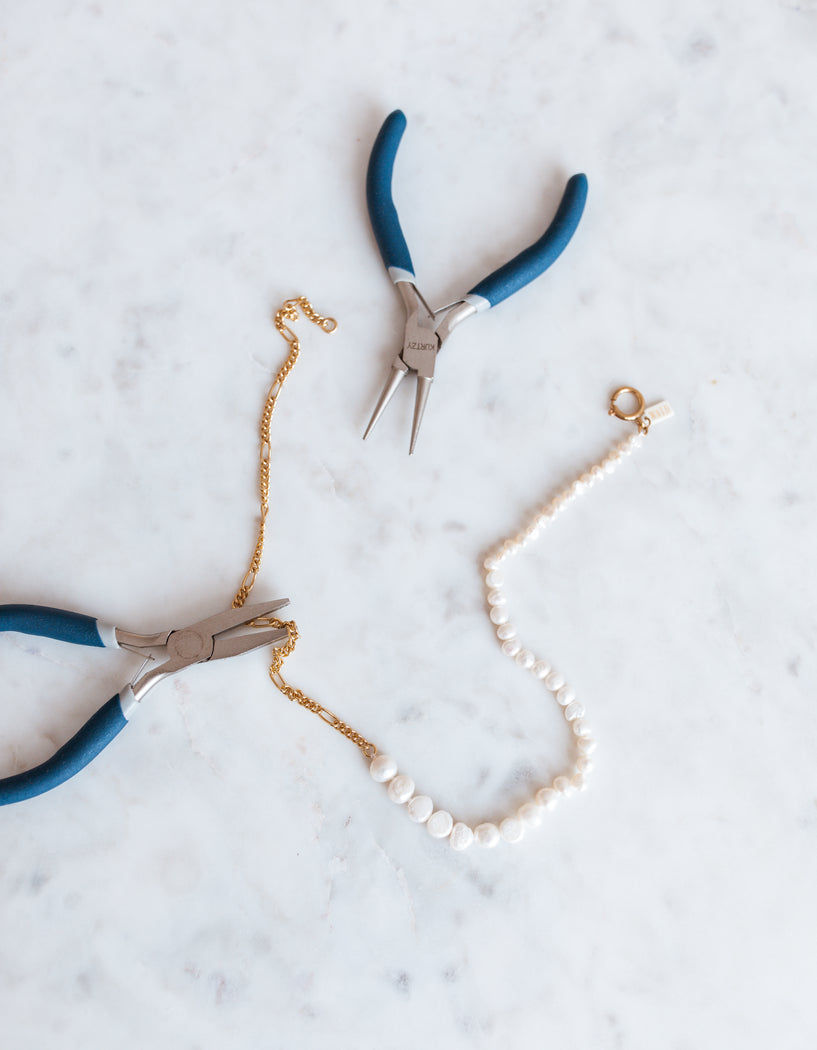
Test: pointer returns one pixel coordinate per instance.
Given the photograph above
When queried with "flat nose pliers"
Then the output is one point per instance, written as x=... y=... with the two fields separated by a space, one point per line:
x=168 y=652
x=426 y=329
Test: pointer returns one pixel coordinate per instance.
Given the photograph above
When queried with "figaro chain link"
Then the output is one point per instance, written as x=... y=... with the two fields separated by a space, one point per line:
x=288 y=313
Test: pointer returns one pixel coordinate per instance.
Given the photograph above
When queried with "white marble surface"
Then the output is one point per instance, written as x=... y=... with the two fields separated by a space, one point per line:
x=226 y=874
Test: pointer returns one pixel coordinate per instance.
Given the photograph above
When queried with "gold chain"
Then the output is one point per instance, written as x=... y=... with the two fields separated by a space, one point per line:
x=288 y=312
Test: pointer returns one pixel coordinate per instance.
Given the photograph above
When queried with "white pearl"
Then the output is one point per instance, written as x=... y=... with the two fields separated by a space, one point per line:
x=400 y=789
x=611 y=462
x=541 y=669
x=574 y=710
x=565 y=695
x=580 y=727
x=586 y=745
x=525 y=659
x=493 y=579
x=491 y=562
x=530 y=814
x=511 y=829
x=486 y=835
x=584 y=763
x=382 y=768
x=637 y=440
x=578 y=782
x=499 y=615
x=546 y=798
x=597 y=472
x=554 y=681
x=511 y=647
x=505 y=631
x=587 y=479
x=420 y=808
x=562 y=785
x=496 y=598
x=440 y=824
x=461 y=836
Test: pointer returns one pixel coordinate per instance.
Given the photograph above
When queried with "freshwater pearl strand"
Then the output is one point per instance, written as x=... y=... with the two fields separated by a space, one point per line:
x=530 y=814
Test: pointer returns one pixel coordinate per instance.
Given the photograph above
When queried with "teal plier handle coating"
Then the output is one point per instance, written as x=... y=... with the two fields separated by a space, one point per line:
x=534 y=260
x=503 y=282
x=95 y=734
x=382 y=213
x=167 y=652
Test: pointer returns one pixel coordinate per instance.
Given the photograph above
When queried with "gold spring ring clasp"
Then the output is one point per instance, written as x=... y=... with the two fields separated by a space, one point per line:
x=631 y=417
x=637 y=416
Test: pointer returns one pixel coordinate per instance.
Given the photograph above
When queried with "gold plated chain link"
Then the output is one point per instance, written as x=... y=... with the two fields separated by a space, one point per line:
x=288 y=313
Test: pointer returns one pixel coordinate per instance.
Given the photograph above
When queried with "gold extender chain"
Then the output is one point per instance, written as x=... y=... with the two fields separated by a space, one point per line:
x=288 y=312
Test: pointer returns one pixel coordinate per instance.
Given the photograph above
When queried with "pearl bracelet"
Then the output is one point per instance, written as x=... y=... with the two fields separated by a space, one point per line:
x=401 y=788
x=383 y=768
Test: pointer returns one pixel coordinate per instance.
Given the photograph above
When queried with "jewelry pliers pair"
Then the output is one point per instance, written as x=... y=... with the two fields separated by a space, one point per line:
x=427 y=330
x=168 y=652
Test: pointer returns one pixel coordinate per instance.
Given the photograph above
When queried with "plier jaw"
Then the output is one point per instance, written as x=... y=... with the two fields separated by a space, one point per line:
x=423 y=337
x=418 y=356
x=399 y=370
x=215 y=638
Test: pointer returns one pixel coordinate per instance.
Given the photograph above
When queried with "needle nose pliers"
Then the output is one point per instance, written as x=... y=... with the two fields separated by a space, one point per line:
x=168 y=652
x=427 y=330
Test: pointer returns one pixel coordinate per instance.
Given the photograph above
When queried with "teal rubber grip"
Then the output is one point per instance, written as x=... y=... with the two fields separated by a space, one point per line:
x=534 y=260
x=85 y=745
x=382 y=212
x=50 y=623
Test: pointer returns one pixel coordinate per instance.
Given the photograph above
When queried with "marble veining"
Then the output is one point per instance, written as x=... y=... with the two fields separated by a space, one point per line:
x=227 y=874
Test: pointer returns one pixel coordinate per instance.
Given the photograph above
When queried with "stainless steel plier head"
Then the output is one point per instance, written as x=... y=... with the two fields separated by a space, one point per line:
x=422 y=339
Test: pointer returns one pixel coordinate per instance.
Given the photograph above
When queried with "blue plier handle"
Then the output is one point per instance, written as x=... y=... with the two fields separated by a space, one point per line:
x=424 y=327
x=168 y=652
